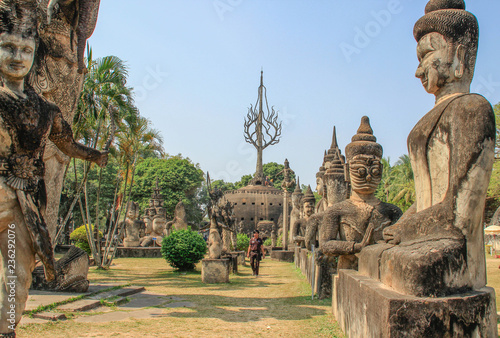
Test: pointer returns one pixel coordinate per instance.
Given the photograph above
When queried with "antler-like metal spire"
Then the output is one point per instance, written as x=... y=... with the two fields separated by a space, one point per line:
x=266 y=131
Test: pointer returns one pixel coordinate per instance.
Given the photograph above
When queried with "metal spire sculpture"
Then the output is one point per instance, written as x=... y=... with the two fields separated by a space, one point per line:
x=261 y=130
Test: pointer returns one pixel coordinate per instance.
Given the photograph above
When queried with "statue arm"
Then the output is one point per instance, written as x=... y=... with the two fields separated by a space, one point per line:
x=62 y=136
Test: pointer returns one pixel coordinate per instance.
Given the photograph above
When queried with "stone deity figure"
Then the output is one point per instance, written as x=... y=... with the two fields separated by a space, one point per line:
x=296 y=212
x=287 y=176
x=180 y=218
x=300 y=225
x=27 y=122
x=322 y=204
x=55 y=76
x=441 y=248
x=156 y=224
x=214 y=240
x=350 y=225
x=131 y=226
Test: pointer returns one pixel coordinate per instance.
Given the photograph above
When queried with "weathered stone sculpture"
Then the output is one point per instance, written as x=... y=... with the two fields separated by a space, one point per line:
x=180 y=218
x=362 y=213
x=131 y=226
x=155 y=220
x=285 y=185
x=300 y=225
x=296 y=212
x=214 y=239
x=435 y=262
x=27 y=122
x=334 y=177
x=55 y=76
x=71 y=270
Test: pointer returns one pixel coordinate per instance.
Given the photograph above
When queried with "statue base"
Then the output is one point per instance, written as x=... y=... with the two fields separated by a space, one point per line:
x=365 y=307
x=130 y=243
x=283 y=256
x=215 y=271
x=241 y=256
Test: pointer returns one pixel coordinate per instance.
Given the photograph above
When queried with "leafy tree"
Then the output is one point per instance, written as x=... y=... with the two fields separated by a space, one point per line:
x=243 y=182
x=272 y=169
x=242 y=242
x=223 y=186
x=179 y=180
x=397 y=185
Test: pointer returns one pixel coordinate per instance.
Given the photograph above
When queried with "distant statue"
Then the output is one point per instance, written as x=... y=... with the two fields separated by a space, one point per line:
x=299 y=228
x=287 y=182
x=180 y=218
x=28 y=121
x=131 y=226
x=296 y=212
x=350 y=225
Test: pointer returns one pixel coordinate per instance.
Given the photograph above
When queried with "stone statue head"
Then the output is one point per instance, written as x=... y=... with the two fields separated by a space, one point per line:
x=447 y=37
x=297 y=196
x=320 y=181
x=364 y=154
x=17 y=38
x=308 y=202
x=132 y=210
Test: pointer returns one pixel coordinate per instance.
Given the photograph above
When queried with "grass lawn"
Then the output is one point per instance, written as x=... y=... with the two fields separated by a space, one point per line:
x=277 y=304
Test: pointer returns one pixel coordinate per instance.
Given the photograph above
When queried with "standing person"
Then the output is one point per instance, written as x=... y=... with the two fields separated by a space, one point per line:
x=255 y=249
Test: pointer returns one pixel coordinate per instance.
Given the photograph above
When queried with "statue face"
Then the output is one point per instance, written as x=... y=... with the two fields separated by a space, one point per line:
x=320 y=185
x=438 y=62
x=16 y=55
x=365 y=172
x=308 y=209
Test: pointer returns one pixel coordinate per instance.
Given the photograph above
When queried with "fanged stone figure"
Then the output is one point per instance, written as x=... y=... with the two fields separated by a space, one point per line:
x=441 y=248
x=360 y=219
x=131 y=225
x=55 y=76
x=27 y=122
x=300 y=225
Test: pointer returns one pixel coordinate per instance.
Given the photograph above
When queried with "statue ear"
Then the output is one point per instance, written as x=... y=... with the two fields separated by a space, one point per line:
x=346 y=173
x=459 y=61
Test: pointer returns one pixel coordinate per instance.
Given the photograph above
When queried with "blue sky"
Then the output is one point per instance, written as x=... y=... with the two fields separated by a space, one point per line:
x=195 y=65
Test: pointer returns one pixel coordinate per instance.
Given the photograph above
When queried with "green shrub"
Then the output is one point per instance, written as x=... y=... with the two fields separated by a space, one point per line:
x=79 y=236
x=268 y=242
x=242 y=242
x=183 y=249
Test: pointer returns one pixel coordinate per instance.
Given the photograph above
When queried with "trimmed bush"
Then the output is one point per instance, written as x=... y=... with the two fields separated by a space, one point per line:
x=79 y=236
x=242 y=242
x=182 y=249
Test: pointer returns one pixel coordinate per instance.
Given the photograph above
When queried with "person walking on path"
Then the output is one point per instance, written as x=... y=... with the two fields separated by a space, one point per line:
x=255 y=249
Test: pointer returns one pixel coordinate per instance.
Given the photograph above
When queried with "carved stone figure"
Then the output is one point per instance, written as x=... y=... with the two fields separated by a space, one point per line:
x=72 y=272
x=55 y=76
x=296 y=212
x=214 y=239
x=300 y=225
x=155 y=220
x=180 y=218
x=27 y=122
x=452 y=151
x=334 y=177
x=362 y=214
x=131 y=226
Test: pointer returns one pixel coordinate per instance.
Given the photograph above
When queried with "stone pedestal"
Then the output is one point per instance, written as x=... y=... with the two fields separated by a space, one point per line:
x=128 y=243
x=241 y=256
x=367 y=308
x=215 y=271
x=283 y=255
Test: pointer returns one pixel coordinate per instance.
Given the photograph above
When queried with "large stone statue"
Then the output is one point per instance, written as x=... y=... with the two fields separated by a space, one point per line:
x=429 y=281
x=28 y=121
x=452 y=152
x=180 y=218
x=56 y=77
x=296 y=212
x=300 y=225
x=155 y=220
x=131 y=226
x=362 y=213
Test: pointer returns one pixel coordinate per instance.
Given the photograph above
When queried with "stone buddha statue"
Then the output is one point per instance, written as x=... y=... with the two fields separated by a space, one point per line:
x=132 y=226
x=440 y=249
x=351 y=224
x=300 y=225
x=322 y=204
x=180 y=218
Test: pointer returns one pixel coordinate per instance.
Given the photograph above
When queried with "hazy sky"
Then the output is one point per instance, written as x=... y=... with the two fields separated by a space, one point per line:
x=195 y=66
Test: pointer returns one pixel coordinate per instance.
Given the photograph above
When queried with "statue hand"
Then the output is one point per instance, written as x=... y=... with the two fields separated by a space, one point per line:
x=102 y=161
x=391 y=235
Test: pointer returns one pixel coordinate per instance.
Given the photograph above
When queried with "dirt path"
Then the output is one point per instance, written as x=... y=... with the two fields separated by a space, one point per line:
x=275 y=304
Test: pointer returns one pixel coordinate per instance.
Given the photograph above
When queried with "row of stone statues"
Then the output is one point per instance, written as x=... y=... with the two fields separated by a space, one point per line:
x=154 y=226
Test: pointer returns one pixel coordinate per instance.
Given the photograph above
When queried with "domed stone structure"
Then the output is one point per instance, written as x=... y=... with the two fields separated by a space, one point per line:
x=255 y=203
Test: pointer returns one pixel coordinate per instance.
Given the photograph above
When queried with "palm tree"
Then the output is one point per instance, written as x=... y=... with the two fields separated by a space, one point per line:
x=402 y=187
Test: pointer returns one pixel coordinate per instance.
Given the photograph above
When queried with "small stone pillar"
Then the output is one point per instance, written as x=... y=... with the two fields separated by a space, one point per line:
x=215 y=271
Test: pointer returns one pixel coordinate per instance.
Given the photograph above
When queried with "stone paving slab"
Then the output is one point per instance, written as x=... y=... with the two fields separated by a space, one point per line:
x=38 y=298
x=52 y=316
x=121 y=315
x=124 y=292
x=80 y=305
x=145 y=300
